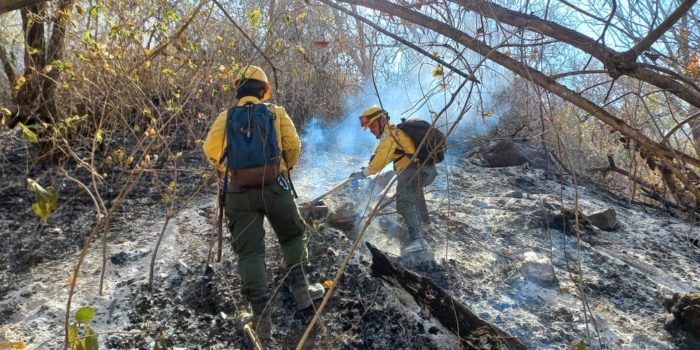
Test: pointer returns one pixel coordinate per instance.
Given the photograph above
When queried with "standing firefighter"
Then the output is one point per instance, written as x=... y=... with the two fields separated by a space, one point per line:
x=255 y=144
x=398 y=144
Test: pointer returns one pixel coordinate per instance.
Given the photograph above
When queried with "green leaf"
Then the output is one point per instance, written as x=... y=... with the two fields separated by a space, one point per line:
x=32 y=50
x=120 y=155
x=94 y=10
x=20 y=81
x=580 y=346
x=60 y=65
x=254 y=17
x=28 y=133
x=90 y=339
x=45 y=200
x=87 y=36
x=72 y=333
x=4 y=111
x=98 y=135
x=172 y=15
x=288 y=20
x=84 y=314
x=77 y=345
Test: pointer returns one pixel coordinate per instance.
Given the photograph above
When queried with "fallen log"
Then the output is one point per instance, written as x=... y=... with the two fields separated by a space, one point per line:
x=473 y=332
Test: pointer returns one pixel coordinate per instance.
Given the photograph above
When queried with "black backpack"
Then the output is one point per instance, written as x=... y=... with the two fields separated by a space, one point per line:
x=433 y=150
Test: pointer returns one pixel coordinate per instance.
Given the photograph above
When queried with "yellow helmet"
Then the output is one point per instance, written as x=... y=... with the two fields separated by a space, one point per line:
x=370 y=115
x=255 y=73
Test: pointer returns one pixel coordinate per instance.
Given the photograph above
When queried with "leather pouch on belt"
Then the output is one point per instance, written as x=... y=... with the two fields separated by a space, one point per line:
x=253 y=177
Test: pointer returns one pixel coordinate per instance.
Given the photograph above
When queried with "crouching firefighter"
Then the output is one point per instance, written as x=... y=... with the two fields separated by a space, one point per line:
x=397 y=144
x=254 y=145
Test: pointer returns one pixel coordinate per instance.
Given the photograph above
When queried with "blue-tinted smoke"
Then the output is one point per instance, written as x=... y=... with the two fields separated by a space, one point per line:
x=332 y=151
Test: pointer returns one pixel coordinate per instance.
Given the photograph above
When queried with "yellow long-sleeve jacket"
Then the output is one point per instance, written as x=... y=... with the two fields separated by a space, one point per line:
x=391 y=141
x=287 y=137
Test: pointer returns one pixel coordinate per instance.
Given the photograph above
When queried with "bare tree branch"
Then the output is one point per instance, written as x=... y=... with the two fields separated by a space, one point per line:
x=528 y=73
x=8 y=66
x=252 y=42
x=660 y=30
x=578 y=72
x=11 y=5
x=176 y=34
x=679 y=125
x=469 y=76
x=615 y=62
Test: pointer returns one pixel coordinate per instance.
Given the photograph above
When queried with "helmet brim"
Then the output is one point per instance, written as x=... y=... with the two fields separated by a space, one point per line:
x=372 y=118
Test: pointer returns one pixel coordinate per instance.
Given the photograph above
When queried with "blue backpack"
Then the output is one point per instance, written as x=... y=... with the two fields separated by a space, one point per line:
x=252 y=151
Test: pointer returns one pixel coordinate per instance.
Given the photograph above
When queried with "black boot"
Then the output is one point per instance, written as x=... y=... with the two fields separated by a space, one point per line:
x=258 y=317
x=304 y=293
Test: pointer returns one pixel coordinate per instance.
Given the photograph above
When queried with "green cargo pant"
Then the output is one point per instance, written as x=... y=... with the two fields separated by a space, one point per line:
x=245 y=210
x=407 y=191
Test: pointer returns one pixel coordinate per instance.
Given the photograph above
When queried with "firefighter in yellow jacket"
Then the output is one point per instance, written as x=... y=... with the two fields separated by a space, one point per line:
x=246 y=207
x=397 y=147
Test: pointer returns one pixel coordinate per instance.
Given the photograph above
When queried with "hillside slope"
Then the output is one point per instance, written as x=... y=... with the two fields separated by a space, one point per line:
x=488 y=236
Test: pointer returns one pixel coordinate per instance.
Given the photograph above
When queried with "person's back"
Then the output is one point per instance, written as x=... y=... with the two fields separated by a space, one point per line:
x=252 y=195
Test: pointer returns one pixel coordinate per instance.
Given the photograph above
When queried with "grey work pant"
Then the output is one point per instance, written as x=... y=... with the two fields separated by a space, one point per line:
x=409 y=180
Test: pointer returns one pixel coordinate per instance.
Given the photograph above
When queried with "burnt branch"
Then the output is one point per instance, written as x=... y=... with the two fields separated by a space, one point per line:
x=474 y=332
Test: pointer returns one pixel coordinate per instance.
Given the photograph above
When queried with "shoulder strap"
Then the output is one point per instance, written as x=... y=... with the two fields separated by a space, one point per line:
x=398 y=151
x=224 y=153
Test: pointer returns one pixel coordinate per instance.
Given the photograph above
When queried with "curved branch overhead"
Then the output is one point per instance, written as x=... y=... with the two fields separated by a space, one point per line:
x=617 y=63
x=528 y=73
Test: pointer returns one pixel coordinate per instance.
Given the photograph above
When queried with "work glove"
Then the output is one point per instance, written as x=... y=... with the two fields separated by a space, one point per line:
x=357 y=176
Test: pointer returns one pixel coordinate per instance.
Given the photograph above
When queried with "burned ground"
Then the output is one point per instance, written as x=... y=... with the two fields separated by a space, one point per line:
x=485 y=220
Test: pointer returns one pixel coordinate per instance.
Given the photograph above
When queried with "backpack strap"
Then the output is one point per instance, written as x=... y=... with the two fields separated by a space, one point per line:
x=224 y=153
x=398 y=151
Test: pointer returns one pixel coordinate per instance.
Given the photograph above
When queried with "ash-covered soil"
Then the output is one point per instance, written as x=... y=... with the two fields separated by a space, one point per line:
x=488 y=234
